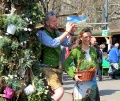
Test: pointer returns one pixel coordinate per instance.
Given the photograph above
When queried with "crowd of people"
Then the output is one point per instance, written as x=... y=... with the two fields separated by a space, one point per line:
x=60 y=49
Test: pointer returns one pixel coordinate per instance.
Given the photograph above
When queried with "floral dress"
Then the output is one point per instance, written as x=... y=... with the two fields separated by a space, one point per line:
x=83 y=91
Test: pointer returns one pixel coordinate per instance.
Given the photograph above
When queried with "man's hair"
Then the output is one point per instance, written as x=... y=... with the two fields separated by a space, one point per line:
x=47 y=16
x=117 y=44
x=92 y=38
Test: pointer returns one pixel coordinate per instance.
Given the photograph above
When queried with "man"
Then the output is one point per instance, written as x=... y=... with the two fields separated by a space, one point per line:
x=99 y=57
x=52 y=39
x=114 y=55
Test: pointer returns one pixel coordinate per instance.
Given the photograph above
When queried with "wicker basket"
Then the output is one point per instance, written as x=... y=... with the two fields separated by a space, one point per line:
x=86 y=75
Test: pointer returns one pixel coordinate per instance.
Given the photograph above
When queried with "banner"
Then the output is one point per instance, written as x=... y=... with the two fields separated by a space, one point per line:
x=79 y=20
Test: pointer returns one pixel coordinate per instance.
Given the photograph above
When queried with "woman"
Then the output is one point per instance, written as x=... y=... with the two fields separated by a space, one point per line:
x=83 y=91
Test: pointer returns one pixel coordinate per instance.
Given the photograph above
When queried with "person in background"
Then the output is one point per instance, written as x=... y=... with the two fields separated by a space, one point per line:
x=102 y=46
x=99 y=57
x=111 y=46
x=68 y=49
x=77 y=43
x=51 y=40
x=83 y=91
x=106 y=47
x=113 y=58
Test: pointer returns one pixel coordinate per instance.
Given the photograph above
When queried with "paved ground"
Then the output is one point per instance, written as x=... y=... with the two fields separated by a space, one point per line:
x=109 y=89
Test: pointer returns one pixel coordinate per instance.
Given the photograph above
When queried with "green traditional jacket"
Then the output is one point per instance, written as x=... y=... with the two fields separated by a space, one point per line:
x=75 y=55
x=50 y=55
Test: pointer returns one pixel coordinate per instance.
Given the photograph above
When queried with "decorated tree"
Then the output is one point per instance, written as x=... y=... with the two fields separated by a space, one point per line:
x=20 y=72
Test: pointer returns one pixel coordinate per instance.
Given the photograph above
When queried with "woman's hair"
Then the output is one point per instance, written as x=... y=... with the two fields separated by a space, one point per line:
x=86 y=29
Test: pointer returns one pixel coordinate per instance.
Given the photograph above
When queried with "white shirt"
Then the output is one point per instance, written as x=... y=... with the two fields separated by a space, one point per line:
x=87 y=55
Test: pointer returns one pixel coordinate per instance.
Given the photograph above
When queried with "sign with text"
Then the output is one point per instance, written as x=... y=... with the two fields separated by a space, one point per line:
x=104 y=32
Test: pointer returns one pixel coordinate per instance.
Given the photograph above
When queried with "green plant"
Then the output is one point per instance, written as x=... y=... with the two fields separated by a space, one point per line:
x=14 y=84
x=41 y=92
x=14 y=45
x=27 y=60
x=2 y=17
x=34 y=15
x=5 y=42
x=36 y=68
x=17 y=21
x=86 y=64
x=3 y=63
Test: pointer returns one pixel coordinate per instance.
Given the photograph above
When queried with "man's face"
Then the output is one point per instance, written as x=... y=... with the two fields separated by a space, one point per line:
x=93 y=41
x=52 y=23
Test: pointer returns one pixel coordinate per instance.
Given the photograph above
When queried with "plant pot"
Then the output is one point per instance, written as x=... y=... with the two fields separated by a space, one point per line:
x=11 y=29
x=86 y=75
x=29 y=90
x=9 y=93
x=21 y=72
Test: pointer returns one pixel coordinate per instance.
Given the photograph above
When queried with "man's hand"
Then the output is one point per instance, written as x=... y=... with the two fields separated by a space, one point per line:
x=74 y=28
x=71 y=27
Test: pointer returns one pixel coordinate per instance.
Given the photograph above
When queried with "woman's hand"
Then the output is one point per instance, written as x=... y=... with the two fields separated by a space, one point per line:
x=76 y=77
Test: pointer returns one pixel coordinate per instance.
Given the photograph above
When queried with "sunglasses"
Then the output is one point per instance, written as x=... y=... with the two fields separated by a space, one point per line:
x=51 y=13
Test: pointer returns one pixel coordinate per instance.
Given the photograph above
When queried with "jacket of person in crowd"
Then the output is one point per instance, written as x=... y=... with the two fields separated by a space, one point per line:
x=114 y=56
x=99 y=57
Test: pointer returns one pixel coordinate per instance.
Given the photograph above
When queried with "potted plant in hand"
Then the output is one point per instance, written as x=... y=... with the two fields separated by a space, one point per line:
x=15 y=23
x=86 y=68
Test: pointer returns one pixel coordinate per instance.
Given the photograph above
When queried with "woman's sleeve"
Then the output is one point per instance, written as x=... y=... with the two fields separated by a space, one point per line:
x=70 y=69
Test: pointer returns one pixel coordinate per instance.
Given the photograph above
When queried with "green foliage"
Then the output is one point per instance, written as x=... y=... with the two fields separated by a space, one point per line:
x=14 y=45
x=41 y=92
x=5 y=42
x=21 y=51
x=14 y=84
x=23 y=36
x=15 y=20
x=86 y=65
x=37 y=49
x=36 y=68
x=2 y=17
x=27 y=60
x=34 y=14
x=3 y=63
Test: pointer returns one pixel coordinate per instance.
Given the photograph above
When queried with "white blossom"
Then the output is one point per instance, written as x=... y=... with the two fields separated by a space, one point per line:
x=31 y=22
x=29 y=29
x=25 y=29
x=27 y=19
x=1 y=37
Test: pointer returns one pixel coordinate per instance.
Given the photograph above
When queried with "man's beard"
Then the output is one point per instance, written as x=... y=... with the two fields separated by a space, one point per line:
x=53 y=28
